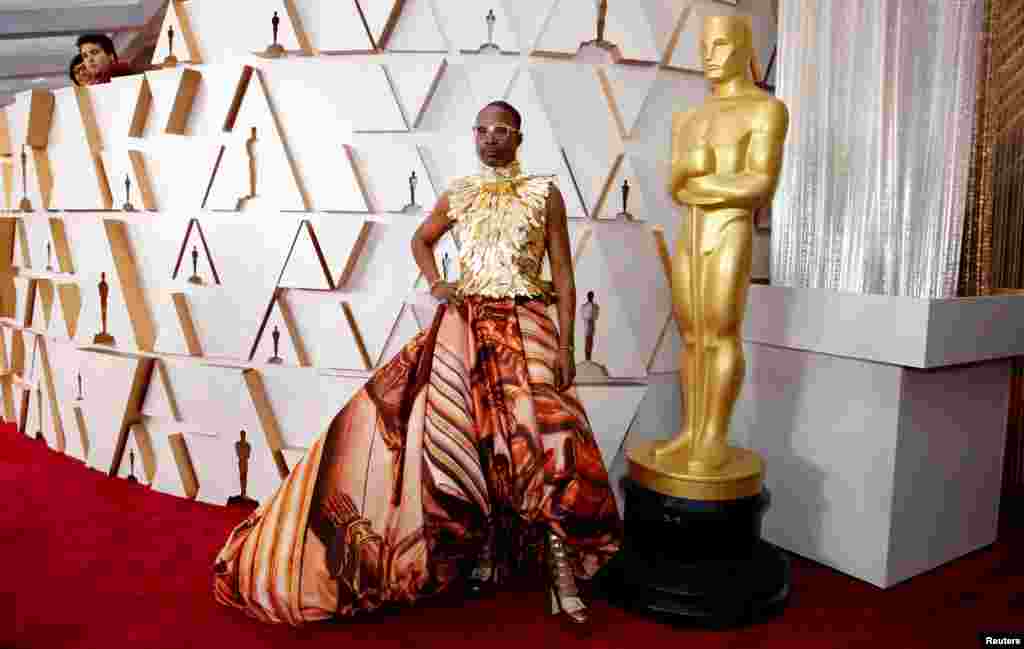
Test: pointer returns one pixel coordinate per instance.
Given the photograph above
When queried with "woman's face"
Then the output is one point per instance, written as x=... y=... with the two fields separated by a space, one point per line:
x=82 y=75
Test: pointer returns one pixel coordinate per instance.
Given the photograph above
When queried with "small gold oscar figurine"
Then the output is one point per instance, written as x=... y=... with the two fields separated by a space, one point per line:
x=251 y=153
x=276 y=359
x=128 y=207
x=599 y=50
x=490 y=47
x=195 y=279
x=588 y=371
x=243 y=450
x=275 y=50
x=25 y=205
x=170 y=61
x=131 y=466
x=79 y=397
x=413 y=206
x=624 y=214
x=445 y=260
x=103 y=338
x=49 y=256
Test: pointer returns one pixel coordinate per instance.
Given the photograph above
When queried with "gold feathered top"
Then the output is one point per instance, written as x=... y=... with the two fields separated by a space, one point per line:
x=498 y=218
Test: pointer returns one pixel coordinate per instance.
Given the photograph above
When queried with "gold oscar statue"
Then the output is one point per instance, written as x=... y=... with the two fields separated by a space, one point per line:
x=243 y=450
x=103 y=337
x=726 y=159
x=694 y=504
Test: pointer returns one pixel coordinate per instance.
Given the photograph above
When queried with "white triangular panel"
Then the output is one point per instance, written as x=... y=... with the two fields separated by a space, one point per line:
x=287 y=350
x=179 y=171
x=306 y=266
x=333 y=26
x=415 y=81
x=324 y=330
x=386 y=167
x=76 y=178
x=88 y=241
x=621 y=265
x=37 y=232
x=106 y=382
x=163 y=44
x=666 y=358
x=464 y=89
x=166 y=478
x=40 y=319
x=466 y=25
x=610 y=409
x=17 y=120
x=613 y=203
x=113 y=105
x=340 y=238
x=213 y=401
x=629 y=86
x=305 y=401
x=159 y=401
x=540 y=152
x=266 y=156
x=21 y=285
x=590 y=138
x=170 y=337
x=529 y=18
x=22 y=257
x=377 y=13
x=58 y=325
x=405 y=329
x=416 y=30
x=119 y=167
x=226 y=31
x=575 y=21
x=687 y=51
x=663 y=17
x=65 y=361
x=382 y=281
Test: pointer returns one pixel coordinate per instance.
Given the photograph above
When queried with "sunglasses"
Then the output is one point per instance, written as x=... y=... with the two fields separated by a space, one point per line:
x=500 y=132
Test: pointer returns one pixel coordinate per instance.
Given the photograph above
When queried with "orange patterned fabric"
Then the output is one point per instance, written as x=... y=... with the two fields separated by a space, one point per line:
x=460 y=438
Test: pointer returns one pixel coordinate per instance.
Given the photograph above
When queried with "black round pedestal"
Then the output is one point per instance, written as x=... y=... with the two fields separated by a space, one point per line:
x=699 y=562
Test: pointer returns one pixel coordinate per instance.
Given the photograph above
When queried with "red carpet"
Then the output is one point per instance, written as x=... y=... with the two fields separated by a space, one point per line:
x=94 y=562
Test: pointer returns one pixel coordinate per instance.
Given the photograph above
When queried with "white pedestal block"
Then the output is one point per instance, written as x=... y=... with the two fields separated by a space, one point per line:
x=882 y=422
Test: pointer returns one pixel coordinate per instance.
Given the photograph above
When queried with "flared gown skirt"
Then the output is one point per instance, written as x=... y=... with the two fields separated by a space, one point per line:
x=460 y=439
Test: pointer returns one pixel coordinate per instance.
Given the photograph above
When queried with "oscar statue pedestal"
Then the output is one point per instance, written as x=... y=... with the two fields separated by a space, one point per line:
x=693 y=551
x=103 y=339
x=242 y=501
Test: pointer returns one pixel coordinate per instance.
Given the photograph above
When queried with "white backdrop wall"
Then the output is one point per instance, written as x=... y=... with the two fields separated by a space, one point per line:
x=319 y=252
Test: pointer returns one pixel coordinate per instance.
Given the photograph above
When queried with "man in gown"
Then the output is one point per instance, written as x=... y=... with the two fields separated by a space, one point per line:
x=469 y=445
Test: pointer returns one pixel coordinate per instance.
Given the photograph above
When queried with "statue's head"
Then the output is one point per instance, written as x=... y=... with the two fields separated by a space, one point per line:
x=726 y=47
x=498 y=133
x=590 y=296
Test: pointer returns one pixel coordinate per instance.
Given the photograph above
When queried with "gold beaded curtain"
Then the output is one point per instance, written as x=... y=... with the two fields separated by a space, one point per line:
x=992 y=258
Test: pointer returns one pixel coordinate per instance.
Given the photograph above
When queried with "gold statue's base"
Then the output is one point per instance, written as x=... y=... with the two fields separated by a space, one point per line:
x=275 y=360
x=128 y=207
x=170 y=61
x=275 y=51
x=197 y=280
x=670 y=475
x=25 y=205
x=102 y=339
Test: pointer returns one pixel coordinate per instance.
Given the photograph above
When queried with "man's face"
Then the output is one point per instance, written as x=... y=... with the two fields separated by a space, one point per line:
x=497 y=139
x=96 y=60
x=723 y=48
x=83 y=76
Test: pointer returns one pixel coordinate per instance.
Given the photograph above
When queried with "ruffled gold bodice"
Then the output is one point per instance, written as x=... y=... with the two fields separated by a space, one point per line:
x=498 y=218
